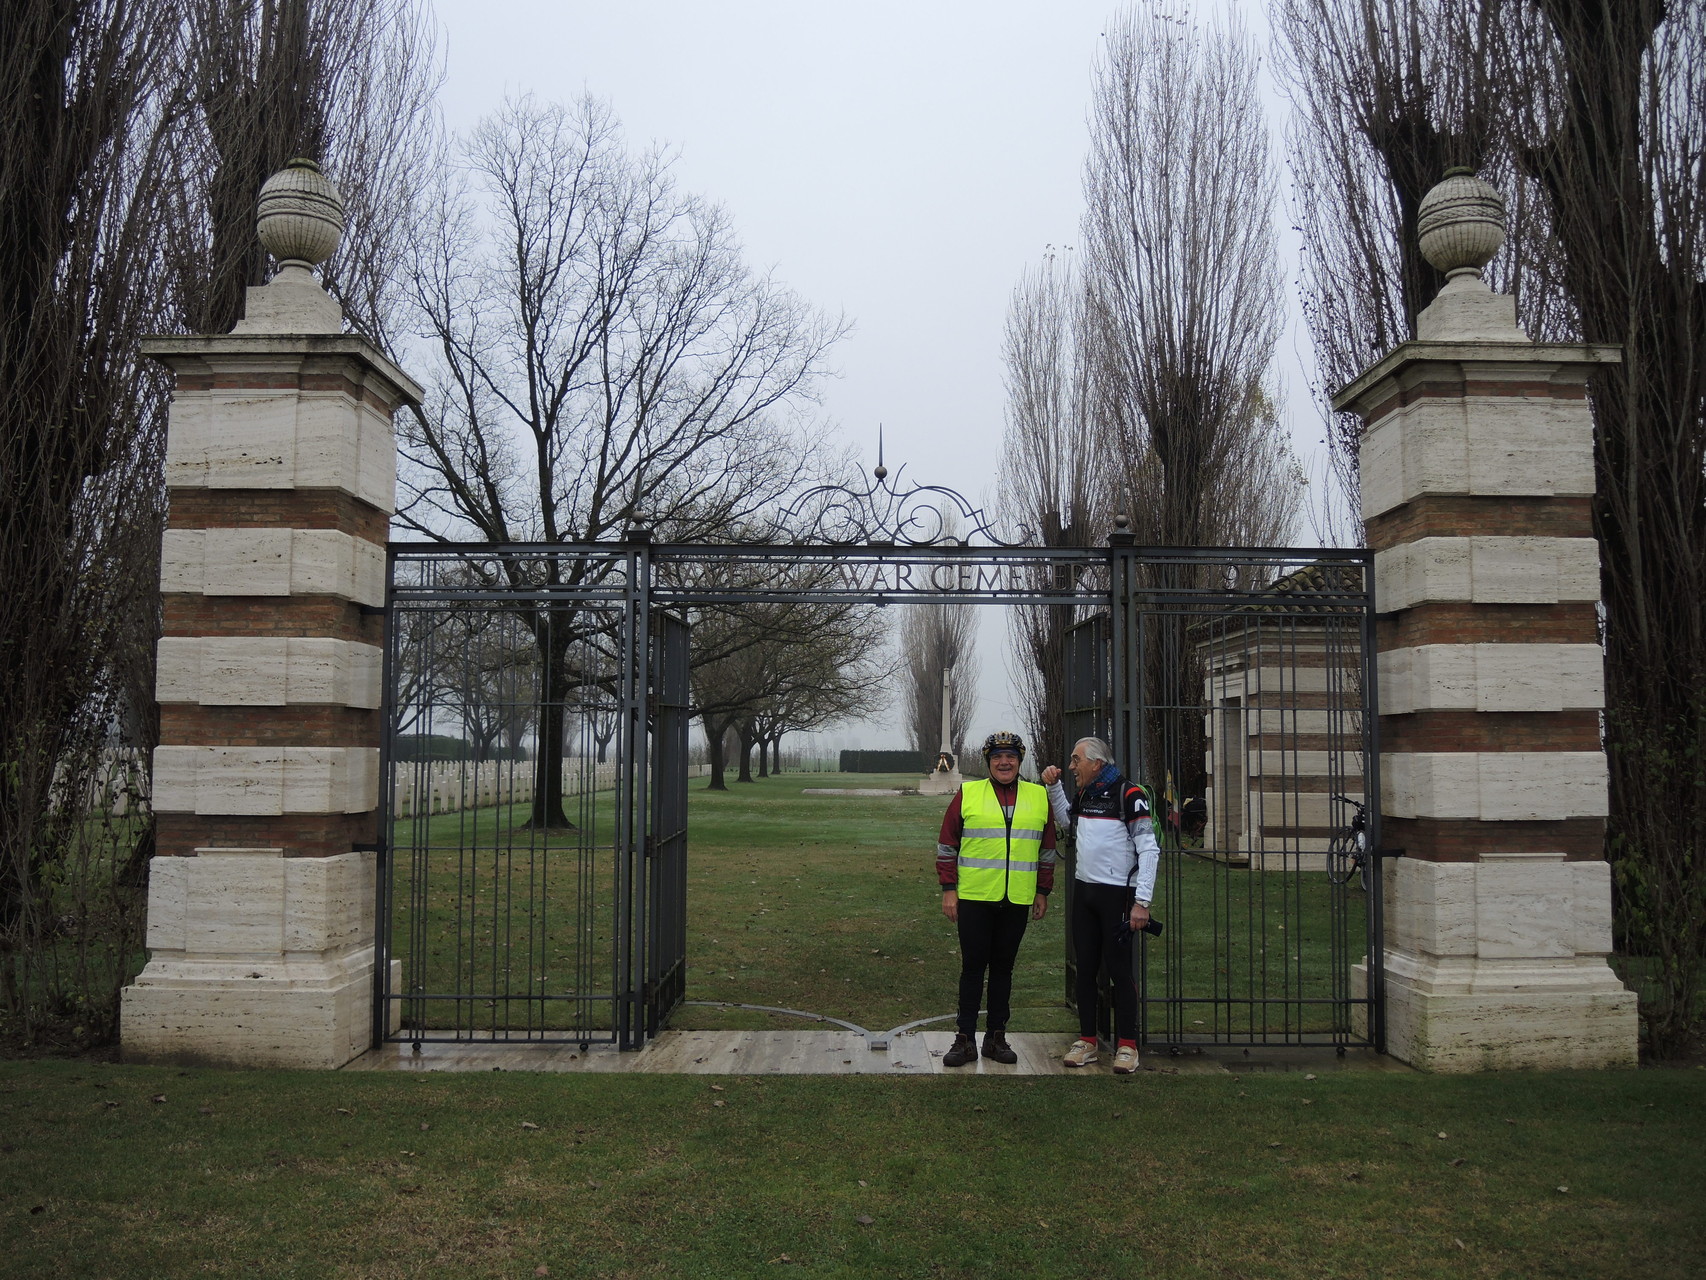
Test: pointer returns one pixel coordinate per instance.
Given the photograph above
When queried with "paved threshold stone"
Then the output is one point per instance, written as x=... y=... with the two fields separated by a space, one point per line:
x=723 y=1053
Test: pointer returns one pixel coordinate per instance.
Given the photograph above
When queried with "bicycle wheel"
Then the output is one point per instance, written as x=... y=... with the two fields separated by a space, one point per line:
x=1341 y=857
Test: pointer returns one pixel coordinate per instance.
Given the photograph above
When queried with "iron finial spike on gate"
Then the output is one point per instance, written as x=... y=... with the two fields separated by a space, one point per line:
x=881 y=472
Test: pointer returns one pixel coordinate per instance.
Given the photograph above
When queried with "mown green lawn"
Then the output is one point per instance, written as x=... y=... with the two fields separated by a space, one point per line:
x=114 y=1171
x=829 y=905
x=826 y=904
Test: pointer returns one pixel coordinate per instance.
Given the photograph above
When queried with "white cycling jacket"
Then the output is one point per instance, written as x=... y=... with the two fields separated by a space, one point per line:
x=1115 y=837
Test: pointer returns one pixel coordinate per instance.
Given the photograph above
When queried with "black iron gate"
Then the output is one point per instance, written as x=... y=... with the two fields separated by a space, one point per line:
x=532 y=887
x=533 y=882
x=1238 y=686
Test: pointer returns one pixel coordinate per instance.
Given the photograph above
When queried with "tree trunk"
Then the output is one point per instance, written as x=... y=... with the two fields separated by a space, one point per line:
x=764 y=757
x=548 y=813
x=714 y=731
x=744 y=731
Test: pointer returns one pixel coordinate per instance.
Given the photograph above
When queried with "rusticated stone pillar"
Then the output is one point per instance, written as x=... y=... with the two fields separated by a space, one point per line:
x=1477 y=478
x=280 y=470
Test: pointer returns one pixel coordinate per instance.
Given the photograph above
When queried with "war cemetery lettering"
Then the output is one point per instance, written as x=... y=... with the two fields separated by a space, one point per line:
x=304 y=908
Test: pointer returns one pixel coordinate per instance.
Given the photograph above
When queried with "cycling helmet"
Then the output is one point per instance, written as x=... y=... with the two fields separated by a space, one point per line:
x=1003 y=741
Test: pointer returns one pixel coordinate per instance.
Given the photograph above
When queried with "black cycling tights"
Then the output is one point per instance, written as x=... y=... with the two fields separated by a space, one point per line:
x=1096 y=913
x=990 y=933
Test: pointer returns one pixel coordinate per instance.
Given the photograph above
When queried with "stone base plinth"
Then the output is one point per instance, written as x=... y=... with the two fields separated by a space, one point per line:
x=256 y=960
x=937 y=783
x=290 y=1014
x=1473 y=1015
x=1501 y=964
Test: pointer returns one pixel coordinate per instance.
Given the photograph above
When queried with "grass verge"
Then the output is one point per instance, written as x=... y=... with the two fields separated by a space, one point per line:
x=117 y=1171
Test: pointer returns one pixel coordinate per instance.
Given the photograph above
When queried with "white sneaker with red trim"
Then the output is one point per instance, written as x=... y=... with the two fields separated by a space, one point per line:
x=1081 y=1054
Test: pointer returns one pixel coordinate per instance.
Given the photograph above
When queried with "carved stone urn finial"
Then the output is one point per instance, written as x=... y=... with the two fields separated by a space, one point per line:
x=1461 y=223
x=300 y=215
x=300 y=219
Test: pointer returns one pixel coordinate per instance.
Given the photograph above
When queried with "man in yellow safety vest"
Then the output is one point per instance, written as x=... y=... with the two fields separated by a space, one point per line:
x=995 y=862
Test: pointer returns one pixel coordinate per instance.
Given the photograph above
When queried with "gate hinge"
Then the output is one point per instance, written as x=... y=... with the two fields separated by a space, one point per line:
x=650 y=846
x=1389 y=853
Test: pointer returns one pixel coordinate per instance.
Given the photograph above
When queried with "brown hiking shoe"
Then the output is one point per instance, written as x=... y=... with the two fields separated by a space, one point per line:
x=996 y=1048
x=963 y=1051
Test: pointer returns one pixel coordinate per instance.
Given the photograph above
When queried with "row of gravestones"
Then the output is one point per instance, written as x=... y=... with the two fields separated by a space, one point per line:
x=451 y=787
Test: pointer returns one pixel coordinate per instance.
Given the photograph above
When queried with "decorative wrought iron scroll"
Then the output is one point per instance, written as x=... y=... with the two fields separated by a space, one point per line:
x=886 y=512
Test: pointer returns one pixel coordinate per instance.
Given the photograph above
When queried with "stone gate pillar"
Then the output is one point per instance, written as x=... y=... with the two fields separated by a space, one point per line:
x=280 y=472
x=1477 y=480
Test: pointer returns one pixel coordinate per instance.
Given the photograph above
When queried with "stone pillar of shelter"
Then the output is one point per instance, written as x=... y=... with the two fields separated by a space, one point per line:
x=1477 y=482
x=280 y=473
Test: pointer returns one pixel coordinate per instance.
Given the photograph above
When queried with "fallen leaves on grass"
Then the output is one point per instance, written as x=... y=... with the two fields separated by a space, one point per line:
x=864 y=1219
x=528 y=1124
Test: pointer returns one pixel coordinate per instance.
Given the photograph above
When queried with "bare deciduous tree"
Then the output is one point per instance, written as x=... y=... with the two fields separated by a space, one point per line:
x=1056 y=480
x=1386 y=95
x=106 y=160
x=1143 y=388
x=1182 y=285
x=764 y=668
x=348 y=82
x=1612 y=135
x=938 y=640
x=85 y=133
x=1592 y=117
x=602 y=361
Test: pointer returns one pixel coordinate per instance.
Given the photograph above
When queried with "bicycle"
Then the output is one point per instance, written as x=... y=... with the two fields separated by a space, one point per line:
x=1347 y=851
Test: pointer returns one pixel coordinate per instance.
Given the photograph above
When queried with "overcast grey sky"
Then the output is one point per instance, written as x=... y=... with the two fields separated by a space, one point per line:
x=898 y=162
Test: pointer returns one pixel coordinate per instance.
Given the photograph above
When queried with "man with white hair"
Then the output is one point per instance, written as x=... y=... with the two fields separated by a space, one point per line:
x=1114 y=884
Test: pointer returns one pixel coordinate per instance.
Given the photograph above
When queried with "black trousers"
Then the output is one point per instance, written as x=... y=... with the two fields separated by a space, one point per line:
x=1097 y=910
x=990 y=933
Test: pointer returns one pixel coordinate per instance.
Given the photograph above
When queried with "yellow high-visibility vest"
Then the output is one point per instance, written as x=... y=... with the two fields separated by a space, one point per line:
x=997 y=859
